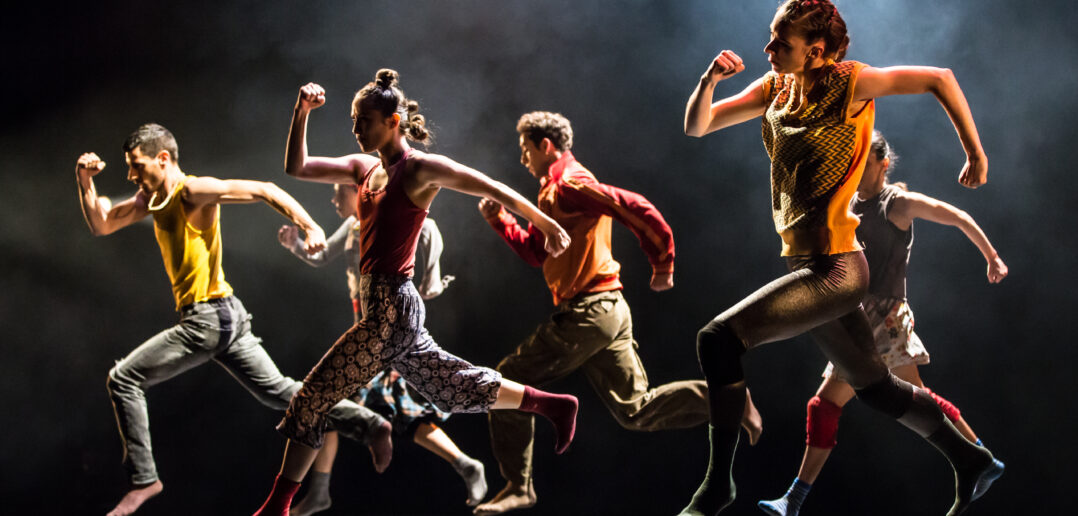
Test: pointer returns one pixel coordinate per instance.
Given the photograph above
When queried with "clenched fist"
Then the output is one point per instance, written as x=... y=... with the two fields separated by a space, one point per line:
x=89 y=165
x=311 y=96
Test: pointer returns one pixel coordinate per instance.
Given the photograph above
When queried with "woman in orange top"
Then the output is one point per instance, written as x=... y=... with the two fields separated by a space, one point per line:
x=817 y=126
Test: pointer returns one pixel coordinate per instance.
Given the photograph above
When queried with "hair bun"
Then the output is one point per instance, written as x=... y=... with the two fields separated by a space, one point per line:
x=386 y=78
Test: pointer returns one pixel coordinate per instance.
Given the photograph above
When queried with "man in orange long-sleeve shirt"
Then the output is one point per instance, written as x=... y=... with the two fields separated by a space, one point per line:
x=591 y=328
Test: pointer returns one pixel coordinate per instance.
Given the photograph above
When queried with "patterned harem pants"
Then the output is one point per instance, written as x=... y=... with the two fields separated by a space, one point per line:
x=391 y=333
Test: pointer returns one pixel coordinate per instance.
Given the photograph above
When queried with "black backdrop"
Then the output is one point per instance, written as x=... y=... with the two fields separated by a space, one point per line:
x=223 y=77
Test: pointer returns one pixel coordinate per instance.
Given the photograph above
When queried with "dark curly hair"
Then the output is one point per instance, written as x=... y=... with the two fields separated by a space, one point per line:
x=385 y=95
x=815 y=20
x=544 y=124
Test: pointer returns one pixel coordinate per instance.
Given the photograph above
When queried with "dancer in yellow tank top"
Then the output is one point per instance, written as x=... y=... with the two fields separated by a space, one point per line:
x=213 y=325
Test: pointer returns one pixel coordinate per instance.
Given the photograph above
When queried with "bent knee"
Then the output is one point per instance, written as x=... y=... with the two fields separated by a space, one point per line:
x=719 y=351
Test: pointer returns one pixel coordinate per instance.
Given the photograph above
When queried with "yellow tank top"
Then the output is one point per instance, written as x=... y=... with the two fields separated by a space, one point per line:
x=818 y=153
x=192 y=256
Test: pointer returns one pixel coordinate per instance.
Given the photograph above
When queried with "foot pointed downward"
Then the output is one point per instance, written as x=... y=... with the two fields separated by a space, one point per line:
x=509 y=498
x=560 y=409
x=565 y=423
x=973 y=482
x=380 y=443
x=135 y=498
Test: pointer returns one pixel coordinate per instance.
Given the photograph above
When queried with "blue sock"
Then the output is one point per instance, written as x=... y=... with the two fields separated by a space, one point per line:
x=790 y=503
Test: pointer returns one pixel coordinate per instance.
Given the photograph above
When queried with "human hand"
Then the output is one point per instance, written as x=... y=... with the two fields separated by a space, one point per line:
x=662 y=281
x=557 y=240
x=997 y=270
x=490 y=209
x=89 y=165
x=311 y=96
x=725 y=65
x=287 y=235
x=975 y=172
x=314 y=241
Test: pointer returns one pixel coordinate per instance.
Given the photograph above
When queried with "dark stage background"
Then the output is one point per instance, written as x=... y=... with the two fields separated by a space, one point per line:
x=223 y=77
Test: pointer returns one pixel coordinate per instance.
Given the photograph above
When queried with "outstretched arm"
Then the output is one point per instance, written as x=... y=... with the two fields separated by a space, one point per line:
x=905 y=80
x=203 y=191
x=440 y=171
x=289 y=238
x=703 y=117
x=912 y=205
x=102 y=216
x=527 y=243
x=298 y=164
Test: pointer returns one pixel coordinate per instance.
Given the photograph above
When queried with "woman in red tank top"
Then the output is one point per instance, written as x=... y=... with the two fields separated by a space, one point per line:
x=396 y=189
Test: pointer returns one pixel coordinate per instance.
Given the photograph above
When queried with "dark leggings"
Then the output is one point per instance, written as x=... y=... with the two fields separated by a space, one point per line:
x=821 y=295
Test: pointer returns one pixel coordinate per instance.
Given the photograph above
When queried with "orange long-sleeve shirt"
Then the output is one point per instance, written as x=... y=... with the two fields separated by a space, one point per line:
x=572 y=196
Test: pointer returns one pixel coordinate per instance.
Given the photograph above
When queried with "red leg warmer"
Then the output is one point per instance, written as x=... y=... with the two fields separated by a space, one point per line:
x=822 y=423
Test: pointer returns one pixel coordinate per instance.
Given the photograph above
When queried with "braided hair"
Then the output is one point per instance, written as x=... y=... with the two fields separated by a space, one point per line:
x=815 y=20
x=385 y=95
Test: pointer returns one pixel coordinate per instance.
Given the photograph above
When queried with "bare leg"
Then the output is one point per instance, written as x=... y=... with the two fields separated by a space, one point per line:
x=751 y=420
x=840 y=393
x=509 y=395
x=317 y=498
x=323 y=462
x=432 y=438
x=298 y=459
x=135 y=498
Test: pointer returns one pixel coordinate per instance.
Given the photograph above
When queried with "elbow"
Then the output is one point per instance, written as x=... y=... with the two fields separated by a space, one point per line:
x=693 y=131
x=942 y=79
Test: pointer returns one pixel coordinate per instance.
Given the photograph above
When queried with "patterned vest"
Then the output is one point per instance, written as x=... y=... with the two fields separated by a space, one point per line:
x=818 y=153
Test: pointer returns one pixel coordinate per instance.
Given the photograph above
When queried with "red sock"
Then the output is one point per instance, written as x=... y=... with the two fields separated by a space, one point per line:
x=280 y=498
x=560 y=409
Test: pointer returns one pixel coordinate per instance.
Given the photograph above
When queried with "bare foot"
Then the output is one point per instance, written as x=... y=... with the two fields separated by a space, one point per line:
x=509 y=498
x=135 y=498
x=751 y=420
x=381 y=446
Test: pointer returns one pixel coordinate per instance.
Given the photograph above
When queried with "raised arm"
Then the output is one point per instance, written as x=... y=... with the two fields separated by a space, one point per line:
x=703 y=117
x=102 y=216
x=912 y=205
x=940 y=82
x=203 y=191
x=440 y=171
x=298 y=164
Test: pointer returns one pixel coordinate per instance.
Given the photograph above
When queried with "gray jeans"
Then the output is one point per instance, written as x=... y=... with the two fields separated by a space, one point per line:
x=218 y=330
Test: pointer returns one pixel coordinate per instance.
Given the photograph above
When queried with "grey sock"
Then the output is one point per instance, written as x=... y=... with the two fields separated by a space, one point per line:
x=317 y=497
x=474 y=477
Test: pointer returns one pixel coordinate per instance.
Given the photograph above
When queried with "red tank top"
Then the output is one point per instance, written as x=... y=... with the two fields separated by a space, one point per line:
x=389 y=224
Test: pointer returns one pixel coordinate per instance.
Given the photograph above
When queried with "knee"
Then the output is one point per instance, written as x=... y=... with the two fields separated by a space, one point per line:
x=629 y=419
x=719 y=351
x=821 y=424
x=888 y=395
x=118 y=380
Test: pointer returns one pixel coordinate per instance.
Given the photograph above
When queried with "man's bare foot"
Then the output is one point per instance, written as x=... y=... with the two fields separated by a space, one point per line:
x=380 y=444
x=509 y=498
x=135 y=498
x=751 y=420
